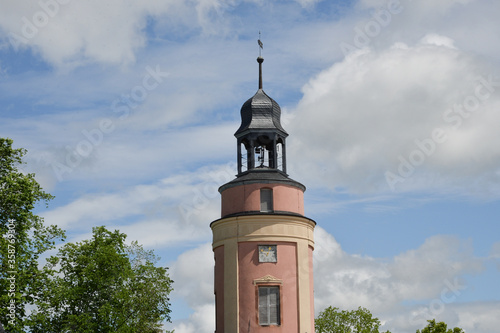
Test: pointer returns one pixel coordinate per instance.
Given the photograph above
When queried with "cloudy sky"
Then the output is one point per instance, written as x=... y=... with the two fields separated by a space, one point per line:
x=128 y=110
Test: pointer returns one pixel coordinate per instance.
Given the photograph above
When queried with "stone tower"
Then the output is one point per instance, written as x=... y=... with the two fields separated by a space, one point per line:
x=263 y=243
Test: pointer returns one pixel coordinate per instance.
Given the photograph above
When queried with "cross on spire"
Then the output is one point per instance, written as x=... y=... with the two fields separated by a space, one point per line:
x=261 y=46
x=260 y=60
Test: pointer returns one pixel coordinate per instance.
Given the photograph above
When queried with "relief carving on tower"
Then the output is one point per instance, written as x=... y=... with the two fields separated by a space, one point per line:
x=267 y=279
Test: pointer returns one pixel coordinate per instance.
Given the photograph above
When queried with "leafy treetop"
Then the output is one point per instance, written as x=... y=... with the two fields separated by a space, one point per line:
x=24 y=237
x=440 y=327
x=103 y=285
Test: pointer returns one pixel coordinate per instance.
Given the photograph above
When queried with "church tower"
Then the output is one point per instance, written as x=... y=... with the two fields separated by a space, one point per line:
x=263 y=243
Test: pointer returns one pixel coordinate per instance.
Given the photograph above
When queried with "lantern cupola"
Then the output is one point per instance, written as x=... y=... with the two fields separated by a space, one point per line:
x=260 y=137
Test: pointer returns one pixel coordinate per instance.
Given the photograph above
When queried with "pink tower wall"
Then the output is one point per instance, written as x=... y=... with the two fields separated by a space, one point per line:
x=250 y=269
x=246 y=198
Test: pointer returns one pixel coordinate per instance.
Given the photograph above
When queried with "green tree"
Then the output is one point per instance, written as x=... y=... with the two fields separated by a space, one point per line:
x=440 y=327
x=24 y=237
x=103 y=285
x=333 y=320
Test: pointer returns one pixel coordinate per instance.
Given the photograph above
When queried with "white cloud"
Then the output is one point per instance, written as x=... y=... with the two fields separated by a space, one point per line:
x=438 y=40
x=178 y=208
x=201 y=321
x=431 y=267
x=430 y=276
x=479 y=317
x=403 y=291
x=427 y=9
x=495 y=254
x=193 y=273
x=363 y=116
x=75 y=32
x=469 y=23
x=308 y=3
x=193 y=281
x=495 y=250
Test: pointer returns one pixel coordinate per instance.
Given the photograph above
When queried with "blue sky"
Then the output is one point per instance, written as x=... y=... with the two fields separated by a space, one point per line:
x=128 y=110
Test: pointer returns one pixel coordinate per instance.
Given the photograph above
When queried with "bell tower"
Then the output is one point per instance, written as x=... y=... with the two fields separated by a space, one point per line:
x=260 y=134
x=263 y=243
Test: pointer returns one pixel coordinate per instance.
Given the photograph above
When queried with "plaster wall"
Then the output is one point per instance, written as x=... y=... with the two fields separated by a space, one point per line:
x=246 y=198
x=235 y=239
x=285 y=273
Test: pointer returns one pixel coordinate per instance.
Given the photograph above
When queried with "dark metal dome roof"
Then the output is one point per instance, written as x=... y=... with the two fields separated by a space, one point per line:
x=260 y=112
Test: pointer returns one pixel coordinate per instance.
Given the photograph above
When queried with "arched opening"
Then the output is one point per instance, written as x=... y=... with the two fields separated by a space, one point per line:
x=279 y=154
x=261 y=157
x=263 y=151
x=242 y=158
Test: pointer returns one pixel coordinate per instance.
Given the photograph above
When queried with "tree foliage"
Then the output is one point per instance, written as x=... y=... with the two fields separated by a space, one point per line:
x=24 y=237
x=103 y=285
x=333 y=320
x=440 y=327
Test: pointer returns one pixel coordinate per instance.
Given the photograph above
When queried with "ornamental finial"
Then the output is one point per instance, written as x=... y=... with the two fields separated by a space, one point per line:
x=260 y=60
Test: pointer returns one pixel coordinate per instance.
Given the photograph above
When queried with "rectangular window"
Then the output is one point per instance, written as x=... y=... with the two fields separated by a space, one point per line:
x=266 y=200
x=269 y=306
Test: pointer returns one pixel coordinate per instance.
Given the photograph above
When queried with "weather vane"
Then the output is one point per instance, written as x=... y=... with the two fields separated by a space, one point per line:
x=261 y=46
